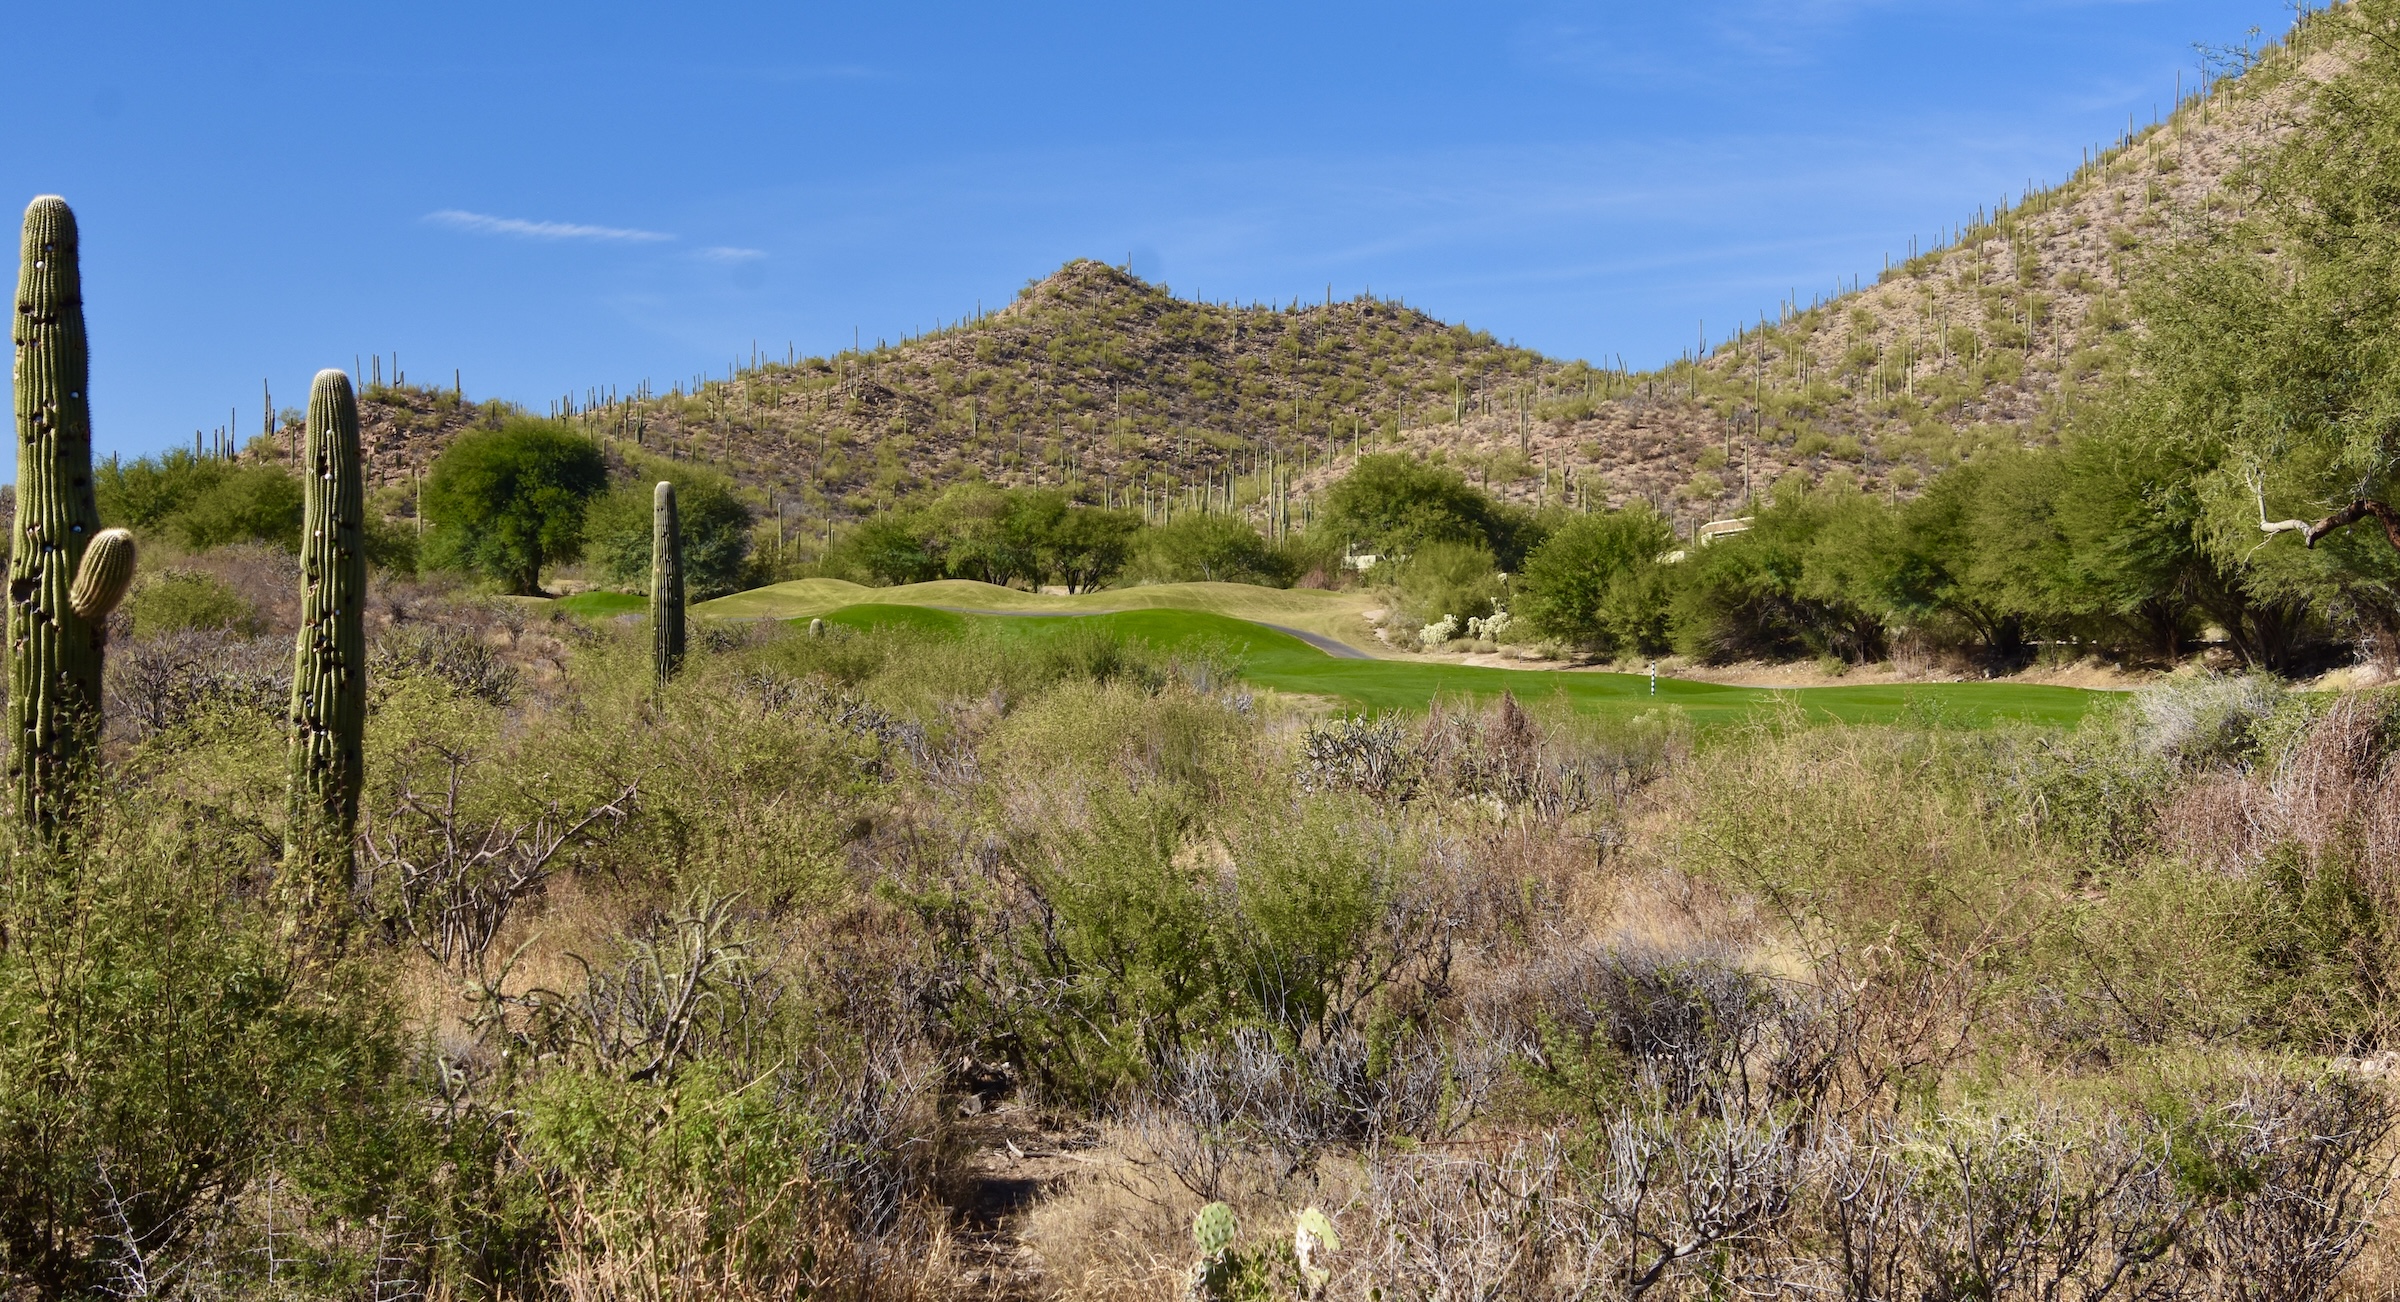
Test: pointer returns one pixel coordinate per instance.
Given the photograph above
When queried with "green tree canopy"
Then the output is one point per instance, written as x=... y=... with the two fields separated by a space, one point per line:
x=1003 y=536
x=200 y=502
x=504 y=503
x=1207 y=549
x=2267 y=378
x=1595 y=582
x=1392 y=503
x=890 y=550
x=1084 y=547
x=1753 y=595
x=716 y=526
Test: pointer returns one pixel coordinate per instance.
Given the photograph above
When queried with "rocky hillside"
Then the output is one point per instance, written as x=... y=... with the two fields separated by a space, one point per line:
x=1092 y=380
x=1983 y=341
x=1114 y=389
x=401 y=429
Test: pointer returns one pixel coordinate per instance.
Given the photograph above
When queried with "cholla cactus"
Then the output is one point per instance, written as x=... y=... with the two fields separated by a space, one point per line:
x=1438 y=632
x=1488 y=628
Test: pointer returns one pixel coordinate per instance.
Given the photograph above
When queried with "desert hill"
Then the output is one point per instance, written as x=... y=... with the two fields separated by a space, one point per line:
x=1091 y=380
x=1115 y=390
x=1983 y=341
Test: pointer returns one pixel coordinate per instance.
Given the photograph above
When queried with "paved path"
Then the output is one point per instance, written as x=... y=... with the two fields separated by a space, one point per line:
x=1338 y=650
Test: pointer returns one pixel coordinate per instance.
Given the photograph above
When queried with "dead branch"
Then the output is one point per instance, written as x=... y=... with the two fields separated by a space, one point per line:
x=456 y=884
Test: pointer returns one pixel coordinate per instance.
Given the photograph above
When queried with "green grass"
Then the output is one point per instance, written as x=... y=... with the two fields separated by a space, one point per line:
x=1286 y=664
x=1337 y=615
x=601 y=605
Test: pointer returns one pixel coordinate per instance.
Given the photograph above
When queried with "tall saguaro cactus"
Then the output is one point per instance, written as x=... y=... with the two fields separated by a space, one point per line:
x=53 y=649
x=329 y=668
x=666 y=582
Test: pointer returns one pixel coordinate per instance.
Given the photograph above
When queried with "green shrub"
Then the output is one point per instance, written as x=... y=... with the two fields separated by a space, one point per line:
x=391 y=544
x=1313 y=888
x=1142 y=958
x=1207 y=549
x=142 y=494
x=159 y=1050
x=177 y=601
x=255 y=503
x=1597 y=583
x=201 y=502
x=1391 y=503
x=1136 y=957
x=1450 y=580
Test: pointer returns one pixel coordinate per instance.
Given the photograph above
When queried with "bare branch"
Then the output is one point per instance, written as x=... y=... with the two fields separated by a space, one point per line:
x=457 y=885
x=2310 y=534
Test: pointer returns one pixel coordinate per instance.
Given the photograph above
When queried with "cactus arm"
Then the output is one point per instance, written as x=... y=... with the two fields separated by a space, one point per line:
x=666 y=582
x=54 y=653
x=103 y=578
x=329 y=672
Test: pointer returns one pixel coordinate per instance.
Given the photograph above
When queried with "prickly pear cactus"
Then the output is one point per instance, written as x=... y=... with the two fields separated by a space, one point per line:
x=1215 y=1229
x=53 y=652
x=1312 y=1239
x=666 y=583
x=329 y=665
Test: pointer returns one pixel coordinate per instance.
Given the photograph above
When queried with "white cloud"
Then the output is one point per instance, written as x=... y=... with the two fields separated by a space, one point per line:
x=728 y=253
x=485 y=224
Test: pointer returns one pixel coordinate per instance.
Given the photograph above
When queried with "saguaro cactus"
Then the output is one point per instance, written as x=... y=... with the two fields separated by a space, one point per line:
x=329 y=669
x=666 y=582
x=53 y=649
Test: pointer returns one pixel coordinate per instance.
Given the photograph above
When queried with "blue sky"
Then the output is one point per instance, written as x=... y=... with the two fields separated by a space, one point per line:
x=550 y=197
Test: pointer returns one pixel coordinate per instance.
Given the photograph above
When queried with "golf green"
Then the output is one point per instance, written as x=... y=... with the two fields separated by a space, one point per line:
x=601 y=605
x=1284 y=663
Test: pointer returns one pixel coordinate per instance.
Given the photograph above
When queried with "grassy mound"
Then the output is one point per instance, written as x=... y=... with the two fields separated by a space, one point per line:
x=1336 y=615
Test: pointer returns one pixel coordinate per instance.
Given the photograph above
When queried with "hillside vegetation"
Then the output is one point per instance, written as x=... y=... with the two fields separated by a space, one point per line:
x=1117 y=391
x=1121 y=394
x=1108 y=946
x=913 y=962
x=1092 y=380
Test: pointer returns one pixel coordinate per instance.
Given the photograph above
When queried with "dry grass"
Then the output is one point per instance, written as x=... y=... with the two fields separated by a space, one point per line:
x=1608 y=1015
